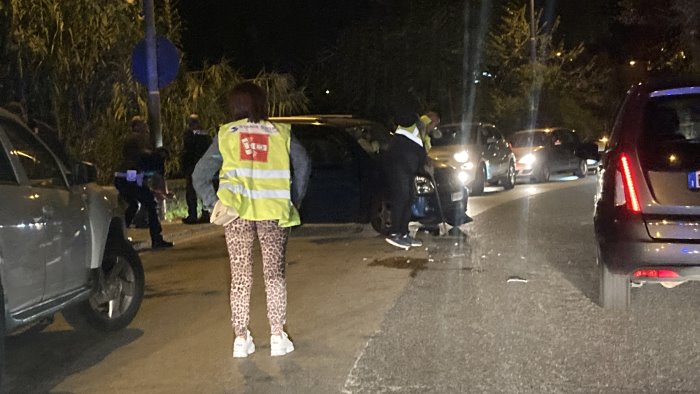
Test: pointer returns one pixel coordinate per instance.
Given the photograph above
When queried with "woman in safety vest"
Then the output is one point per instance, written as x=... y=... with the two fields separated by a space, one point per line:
x=254 y=158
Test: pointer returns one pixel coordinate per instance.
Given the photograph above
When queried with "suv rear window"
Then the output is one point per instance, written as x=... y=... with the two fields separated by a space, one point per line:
x=671 y=137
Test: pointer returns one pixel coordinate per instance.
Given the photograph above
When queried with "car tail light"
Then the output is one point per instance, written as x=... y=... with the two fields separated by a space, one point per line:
x=625 y=186
x=663 y=274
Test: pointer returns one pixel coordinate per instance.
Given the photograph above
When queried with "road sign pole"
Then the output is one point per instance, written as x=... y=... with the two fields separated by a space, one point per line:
x=152 y=70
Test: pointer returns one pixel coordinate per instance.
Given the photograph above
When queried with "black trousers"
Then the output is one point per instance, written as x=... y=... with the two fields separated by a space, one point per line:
x=191 y=199
x=402 y=192
x=134 y=195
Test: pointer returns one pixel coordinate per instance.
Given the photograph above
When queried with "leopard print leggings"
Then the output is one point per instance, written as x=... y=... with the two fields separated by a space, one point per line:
x=240 y=236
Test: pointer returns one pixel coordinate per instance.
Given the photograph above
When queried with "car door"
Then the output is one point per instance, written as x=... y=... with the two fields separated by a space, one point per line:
x=64 y=211
x=560 y=156
x=333 y=193
x=490 y=151
x=22 y=235
x=502 y=151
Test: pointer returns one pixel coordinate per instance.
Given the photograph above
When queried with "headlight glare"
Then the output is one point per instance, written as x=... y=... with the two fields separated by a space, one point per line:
x=463 y=176
x=527 y=159
x=461 y=156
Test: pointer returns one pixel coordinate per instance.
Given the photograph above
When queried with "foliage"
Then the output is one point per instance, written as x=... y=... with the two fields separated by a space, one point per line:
x=69 y=64
x=562 y=87
x=416 y=48
x=470 y=60
x=671 y=39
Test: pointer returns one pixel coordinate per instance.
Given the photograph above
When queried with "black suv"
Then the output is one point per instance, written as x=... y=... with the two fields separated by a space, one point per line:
x=347 y=183
x=647 y=211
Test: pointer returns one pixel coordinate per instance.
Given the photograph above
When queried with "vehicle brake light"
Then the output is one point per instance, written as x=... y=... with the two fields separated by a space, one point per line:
x=629 y=186
x=656 y=274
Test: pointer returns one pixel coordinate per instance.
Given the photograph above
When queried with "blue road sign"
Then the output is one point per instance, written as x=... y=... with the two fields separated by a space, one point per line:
x=168 y=62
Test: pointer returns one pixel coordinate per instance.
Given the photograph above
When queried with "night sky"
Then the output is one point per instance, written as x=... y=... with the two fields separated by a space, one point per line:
x=280 y=35
x=286 y=35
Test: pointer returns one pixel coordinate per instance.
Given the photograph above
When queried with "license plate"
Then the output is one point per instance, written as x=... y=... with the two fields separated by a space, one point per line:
x=457 y=196
x=694 y=180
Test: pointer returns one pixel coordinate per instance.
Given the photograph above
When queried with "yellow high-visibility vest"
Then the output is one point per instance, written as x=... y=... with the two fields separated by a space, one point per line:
x=255 y=176
x=424 y=135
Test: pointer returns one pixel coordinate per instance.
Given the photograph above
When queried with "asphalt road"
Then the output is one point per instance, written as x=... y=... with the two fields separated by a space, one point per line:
x=367 y=318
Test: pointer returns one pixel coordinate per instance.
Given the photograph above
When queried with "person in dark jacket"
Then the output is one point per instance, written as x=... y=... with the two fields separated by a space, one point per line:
x=131 y=180
x=195 y=142
x=405 y=158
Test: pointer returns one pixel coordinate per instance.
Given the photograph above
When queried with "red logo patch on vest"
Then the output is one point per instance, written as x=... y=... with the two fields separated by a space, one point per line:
x=254 y=147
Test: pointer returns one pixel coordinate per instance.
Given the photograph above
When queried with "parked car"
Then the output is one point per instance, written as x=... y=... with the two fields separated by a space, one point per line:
x=63 y=246
x=648 y=200
x=480 y=152
x=348 y=185
x=543 y=152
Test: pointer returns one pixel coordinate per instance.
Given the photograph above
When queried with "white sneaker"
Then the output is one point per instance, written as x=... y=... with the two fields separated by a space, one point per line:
x=242 y=347
x=280 y=345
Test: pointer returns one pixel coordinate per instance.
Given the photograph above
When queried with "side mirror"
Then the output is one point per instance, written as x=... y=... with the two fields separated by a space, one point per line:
x=84 y=173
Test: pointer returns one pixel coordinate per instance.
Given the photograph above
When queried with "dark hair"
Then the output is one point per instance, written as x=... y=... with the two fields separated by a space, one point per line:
x=248 y=100
x=405 y=110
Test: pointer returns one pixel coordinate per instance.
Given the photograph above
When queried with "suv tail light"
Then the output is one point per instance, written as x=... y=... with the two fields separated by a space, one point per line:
x=625 y=186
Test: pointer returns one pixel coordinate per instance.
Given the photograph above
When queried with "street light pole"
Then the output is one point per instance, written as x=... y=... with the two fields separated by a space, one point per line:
x=152 y=72
x=533 y=39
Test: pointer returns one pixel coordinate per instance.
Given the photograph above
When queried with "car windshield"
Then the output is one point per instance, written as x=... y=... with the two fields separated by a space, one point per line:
x=522 y=140
x=454 y=135
x=671 y=138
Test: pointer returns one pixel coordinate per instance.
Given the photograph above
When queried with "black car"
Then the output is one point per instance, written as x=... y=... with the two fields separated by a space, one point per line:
x=542 y=152
x=647 y=210
x=348 y=185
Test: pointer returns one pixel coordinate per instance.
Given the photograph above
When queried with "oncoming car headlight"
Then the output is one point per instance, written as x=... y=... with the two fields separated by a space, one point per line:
x=463 y=176
x=527 y=159
x=461 y=156
x=423 y=185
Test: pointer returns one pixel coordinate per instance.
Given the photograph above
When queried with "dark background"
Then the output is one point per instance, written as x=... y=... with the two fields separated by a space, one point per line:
x=287 y=35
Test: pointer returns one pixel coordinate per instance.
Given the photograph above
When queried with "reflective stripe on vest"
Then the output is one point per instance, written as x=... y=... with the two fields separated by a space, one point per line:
x=255 y=194
x=258 y=173
x=255 y=176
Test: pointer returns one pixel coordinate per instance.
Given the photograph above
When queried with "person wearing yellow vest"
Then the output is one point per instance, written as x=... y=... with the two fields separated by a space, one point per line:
x=254 y=159
x=427 y=124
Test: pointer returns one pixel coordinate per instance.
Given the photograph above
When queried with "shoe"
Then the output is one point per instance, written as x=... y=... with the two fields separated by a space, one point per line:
x=161 y=244
x=204 y=218
x=414 y=242
x=189 y=220
x=400 y=241
x=280 y=345
x=242 y=347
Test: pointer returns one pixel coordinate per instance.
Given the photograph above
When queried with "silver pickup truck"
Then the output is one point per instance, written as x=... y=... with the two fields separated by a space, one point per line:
x=63 y=245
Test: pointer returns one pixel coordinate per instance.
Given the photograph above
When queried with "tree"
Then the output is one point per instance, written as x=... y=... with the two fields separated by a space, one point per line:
x=667 y=33
x=565 y=84
x=69 y=64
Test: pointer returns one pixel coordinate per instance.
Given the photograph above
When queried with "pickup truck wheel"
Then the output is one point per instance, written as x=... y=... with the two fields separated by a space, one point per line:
x=118 y=293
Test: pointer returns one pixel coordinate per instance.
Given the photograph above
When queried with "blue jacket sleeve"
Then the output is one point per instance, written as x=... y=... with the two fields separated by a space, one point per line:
x=302 y=171
x=205 y=171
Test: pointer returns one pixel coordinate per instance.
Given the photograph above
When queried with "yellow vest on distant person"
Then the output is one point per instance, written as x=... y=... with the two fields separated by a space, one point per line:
x=424 y=135
x=255 y=176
